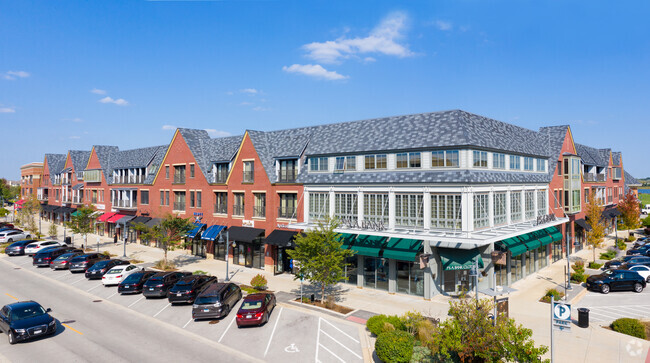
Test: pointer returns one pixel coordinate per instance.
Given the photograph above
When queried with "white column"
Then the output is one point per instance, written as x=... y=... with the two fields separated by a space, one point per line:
x=508 y=209
x=467 y=201
x=360 y=202
x=523 y=204
x=332 y=203
x=535 y=201
x=391 y=209
x=305 y=207
x=427 y=209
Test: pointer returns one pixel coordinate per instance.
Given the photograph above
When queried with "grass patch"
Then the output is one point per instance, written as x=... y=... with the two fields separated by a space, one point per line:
x=595 y=265
x=251 y=290
x=165 y=265
x=200 y=272
x=552 y=292
x=135 y=262
x=608 y=255
x=645 y=198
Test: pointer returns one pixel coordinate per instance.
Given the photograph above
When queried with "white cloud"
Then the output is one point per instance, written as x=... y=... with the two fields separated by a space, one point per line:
x=119 y=101
x=7 y=110
x=169 y=127
x=245 y=103
x=98 y=91
x=11 y=75
x=217 y=133
x=383 y=39
x=76 y=119
x=75 y=137
x=260 y=109
x=314 y=70
x=230 y=93
x=443 y=25
x=250 y=91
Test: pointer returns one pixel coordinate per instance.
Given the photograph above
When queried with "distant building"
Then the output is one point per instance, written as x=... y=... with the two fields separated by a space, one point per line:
x=30 y=179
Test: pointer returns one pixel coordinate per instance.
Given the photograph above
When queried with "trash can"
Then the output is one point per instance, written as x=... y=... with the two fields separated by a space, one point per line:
x=583 y=317
x=68 y=240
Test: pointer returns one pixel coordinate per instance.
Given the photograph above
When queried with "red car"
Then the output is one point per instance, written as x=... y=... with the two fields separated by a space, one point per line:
x=255 y=309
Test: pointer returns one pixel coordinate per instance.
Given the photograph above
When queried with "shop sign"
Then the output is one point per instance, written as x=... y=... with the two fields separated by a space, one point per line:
x=499 y=258
x=100 y=206
x=247 y=223
x=350 y=222
x=548 y=218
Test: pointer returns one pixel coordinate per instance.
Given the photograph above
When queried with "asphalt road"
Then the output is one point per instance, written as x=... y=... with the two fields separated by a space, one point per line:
x=616 y=304
x=98 y=331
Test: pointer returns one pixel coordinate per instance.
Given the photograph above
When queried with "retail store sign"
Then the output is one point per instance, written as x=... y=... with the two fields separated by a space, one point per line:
x=247 y=223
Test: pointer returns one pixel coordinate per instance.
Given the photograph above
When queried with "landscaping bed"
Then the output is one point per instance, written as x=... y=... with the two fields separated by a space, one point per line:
x=326 y=305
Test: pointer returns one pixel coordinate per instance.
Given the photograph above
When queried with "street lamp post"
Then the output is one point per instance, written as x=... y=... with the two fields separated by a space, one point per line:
x=227 y=252
x=125 y=238
x=568 y=265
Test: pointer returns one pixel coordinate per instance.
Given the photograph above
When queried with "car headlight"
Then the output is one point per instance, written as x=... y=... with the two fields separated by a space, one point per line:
x=194 y=306
x=20 y=331
x=598 y=282
x=52 y=323
x=217 y=304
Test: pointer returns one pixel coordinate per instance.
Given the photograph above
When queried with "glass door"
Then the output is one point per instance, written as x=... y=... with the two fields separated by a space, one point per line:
x=248 y=255
x=279 y=260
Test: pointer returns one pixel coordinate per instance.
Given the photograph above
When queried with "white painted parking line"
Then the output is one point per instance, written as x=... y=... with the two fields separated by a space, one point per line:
x=115 y=293
x=93 y=288
x=161 y=310
x=273 y=331
x=83 y=278
x=225 y=331
x=341 y=344
x=189 y=321
x=344 y=333
x=135 y=302
x=25 y=263
x=62 y=276
x=317 y=342
x=330 y=352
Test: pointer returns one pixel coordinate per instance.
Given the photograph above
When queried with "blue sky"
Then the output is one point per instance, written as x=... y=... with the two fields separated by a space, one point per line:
x=79 y=73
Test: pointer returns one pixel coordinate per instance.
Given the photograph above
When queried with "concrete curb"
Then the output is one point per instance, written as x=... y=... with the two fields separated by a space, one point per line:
x=576 y=299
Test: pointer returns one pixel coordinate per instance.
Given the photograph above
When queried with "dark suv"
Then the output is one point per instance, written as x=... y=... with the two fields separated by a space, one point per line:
x=84 y=262
x=132 y=284
x=159 y=284
x=188 y=287
x=46 y=257
x=18 y=248
x=616 y=280
x=216 y=301
x=630 y=259
x=98 y=270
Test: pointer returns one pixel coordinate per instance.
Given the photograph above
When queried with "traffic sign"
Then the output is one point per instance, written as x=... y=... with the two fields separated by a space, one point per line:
x=561 y=315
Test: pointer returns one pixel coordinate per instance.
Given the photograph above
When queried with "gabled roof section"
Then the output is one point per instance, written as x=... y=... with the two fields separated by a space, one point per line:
x=207 y=150
x=273 y=145
x=136 y=158
x=616 y=158
x=55 y=163
x=105 y=154
x=593 y=156
x=630 y=181
x=79 y=159
x=554 y=139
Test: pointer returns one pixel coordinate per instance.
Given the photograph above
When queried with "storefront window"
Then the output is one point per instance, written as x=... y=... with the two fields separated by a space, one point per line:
x=542 y=257
x=501 y=275
x=219 y=251
x=258 y=256
x=530 y=262
x=375 y=272
x=457 y=281
x=351 y=270
x=516 y=268
x=410 y=278
x=557 y=251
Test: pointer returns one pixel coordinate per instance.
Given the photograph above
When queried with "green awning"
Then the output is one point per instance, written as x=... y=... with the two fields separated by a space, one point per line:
x=530 y=241
x=402 y=249
x=347 y=239
x=366 y=245
x=543 y=237
x=457 y=259
x=555 y=233
x=75 y=213
x=514 y=245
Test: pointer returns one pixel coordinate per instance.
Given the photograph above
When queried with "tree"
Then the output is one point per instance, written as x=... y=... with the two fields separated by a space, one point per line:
x=4 y=212
x=471 y=335
x=53 y=231
x=30 y=207
x=319 y=253
x=169 y=234
x=8 y=192
x=594 y=213
x=630 y=212
x=81 y=222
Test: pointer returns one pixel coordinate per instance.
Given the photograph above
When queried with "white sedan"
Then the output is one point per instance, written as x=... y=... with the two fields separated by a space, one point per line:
x=642 y=270
x=118 y=273
x=35 y=247
x=13 y=235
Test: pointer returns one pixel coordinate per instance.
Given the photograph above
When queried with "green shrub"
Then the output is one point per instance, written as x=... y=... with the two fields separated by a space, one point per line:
x=629 y=326
x=595 y=265
x=394 y=346
x=376 y=324
x=631 y=238
x=646 y=221
x=578 y=277
x=410 y=321
x=200 y=272
x=579 y=267
x=421 y=354
x=552 y=292
x=608 y=255
x=259 y=282
x=621 y=245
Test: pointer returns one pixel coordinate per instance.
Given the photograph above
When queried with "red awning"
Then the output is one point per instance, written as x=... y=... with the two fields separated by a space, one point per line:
x=115 y=217
x=20 y=201
x=106 y=216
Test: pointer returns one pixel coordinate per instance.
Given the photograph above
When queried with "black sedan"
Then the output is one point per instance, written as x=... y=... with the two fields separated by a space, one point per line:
x=26 y=319
x=641 y=250
x=616 y=280
x=133 y=283
x=188 y=287
x=98 y=270
x=18 y=248
x=631 y=259
x=159 y=284
x=45 y=257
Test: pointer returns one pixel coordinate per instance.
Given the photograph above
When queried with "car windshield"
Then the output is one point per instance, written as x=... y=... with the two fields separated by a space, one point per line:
x=204 y=300
x=608 y=272
x=133 y=278
x=100 y=264
x=156 y=278
x=64 y=256
x=251 y=305
x=27 y=312
x=79 y=259
x=114 y=271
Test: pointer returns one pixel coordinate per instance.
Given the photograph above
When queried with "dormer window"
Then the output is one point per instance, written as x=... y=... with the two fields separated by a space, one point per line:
x=480 y=159
x=220 y=173
x=444 y=159
x=345 y=163
x=408 y=160
x=288 y=170
x=318 y=164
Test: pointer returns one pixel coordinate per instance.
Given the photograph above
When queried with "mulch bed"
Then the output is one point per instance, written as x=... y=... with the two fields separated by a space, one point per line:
x=338 y=308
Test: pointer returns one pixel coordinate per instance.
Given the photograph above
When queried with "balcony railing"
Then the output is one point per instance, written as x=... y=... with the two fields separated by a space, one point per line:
x=221 y=208
x=179 y=205
x=125 y=204
x=594 y=177
x=288 y=176
x=238 y=210
x=286 y=212
x=42 y=197
x=259 y=211
x=77 y=200
x=129 y=179
x=220 y=178
x=179 y=179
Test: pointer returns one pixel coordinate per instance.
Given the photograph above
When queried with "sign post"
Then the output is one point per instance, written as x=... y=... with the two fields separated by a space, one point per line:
x=560 y=318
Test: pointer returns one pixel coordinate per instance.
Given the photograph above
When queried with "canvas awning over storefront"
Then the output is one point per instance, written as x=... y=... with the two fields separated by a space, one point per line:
x=347 y=240
x=244 y=234
x=212 y=232
x=555 y=233
x=138 y=219
x=402 y=249
x=198 y=227
x=366 y=245
x=106 y=216
x=153 y=222
x=583 y=223
x=115 y=217
x=281 y=238
x=456 y=259
x=514 y=245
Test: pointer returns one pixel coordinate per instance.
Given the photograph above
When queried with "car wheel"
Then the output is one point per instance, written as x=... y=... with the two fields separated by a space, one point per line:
x=604 y=289
x=12 y=338
x=10 y=240
x=227 y=311
x=638 y=287
x=647 y=279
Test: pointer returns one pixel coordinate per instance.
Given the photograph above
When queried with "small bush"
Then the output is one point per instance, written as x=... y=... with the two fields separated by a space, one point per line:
x=631 y=238
x=330 y=302
x=376 y=323
x=421 y=354
x=200 y=272
x=608 y=255
x=106 y=253
x=165 y=265
x=410 y=320
x=552 y=292
x=394 y=347
x=387 y=327
x=259 y=282
x=595 y=265
x=426 y=331
x=621 y=245
x=579 y=267
x=578 y=277
x=629 y=326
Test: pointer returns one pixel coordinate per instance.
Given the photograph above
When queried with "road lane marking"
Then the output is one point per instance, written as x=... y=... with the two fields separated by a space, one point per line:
x=135 y=302
x=11 y=296
x=273 y=331
x=344 y=333
x=332 y=353
x=161 y=310
x=111 y=295
x=225 y=331
x=341 y=344
x=73 y=329
x=317 y=340
x=189 y=321
x=93 y=288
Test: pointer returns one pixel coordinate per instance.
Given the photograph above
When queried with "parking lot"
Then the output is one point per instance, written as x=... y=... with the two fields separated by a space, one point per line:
x=619 y=304
x=290 y=335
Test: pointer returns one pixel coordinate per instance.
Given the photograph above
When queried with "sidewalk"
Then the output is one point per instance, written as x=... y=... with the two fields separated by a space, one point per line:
x=591 y=344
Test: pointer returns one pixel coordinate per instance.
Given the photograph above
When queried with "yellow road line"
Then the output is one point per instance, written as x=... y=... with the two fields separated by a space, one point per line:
x=73 y=329
x=11 y=296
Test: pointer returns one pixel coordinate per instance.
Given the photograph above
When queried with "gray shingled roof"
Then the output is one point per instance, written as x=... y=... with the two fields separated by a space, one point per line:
x=55 y=163
x=278 y=144
x=593 y=156
x=429 y=176
x=630 y=181
x=616 y=158
x=135 y=158
x=207 y=150
x=554 y=138
x=105 y=154
x=79 y=159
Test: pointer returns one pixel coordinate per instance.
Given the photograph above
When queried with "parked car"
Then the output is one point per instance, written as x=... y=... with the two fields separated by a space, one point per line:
x=635 y=260
x=26 y=319
x=159 y=284
x=45 y=257
x=188 y=287
x=616 y=280
x=6 y=225
x=12 y=235
x=18 y=248
x=118 y=273
x=98 y=270
x=216 y=301
x=642 y=270
x=255 y=309
x=34 y=247
x=9 y=229
x=642 y=241
x=84 y=262
x=641 y=250
x=63 y=262
x=133 y=283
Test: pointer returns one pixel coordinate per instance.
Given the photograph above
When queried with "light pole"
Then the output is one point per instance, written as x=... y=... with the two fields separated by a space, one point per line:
x=227 y=254
x=568 y=264
x=125 y=237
